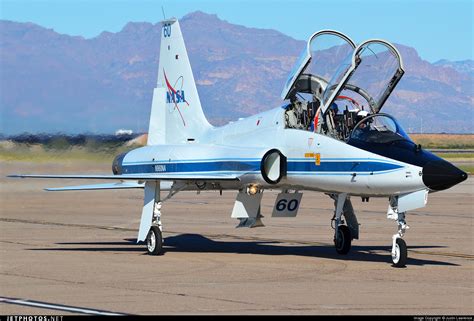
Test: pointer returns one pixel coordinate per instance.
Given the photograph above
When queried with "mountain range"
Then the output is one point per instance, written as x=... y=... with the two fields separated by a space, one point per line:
x=51 y=82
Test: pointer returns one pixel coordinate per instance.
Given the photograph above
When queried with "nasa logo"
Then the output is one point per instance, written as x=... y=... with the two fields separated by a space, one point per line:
x=175 y=97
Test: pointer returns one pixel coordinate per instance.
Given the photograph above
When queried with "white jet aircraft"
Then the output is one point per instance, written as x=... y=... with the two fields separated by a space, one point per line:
x=329 y=136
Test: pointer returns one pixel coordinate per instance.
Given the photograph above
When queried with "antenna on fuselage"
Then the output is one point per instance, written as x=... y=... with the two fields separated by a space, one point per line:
x=163 y=10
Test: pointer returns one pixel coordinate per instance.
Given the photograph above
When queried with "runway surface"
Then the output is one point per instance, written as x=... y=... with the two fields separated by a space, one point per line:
x=77 y=251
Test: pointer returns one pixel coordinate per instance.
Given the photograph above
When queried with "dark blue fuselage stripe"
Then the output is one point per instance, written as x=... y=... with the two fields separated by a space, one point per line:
x=249 y=166
x=340 y=167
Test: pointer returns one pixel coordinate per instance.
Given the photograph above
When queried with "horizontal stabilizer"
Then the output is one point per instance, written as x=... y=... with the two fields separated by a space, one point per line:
x=121 y=185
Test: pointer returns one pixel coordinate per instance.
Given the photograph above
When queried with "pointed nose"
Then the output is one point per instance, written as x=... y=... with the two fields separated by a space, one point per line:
x=440 y=174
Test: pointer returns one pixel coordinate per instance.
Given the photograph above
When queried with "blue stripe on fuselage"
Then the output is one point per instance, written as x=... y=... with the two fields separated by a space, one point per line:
x=250 y=166
x=360 y=166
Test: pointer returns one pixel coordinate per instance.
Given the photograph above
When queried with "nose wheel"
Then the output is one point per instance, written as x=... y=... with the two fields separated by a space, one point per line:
x=399 y=246
x=399 y=253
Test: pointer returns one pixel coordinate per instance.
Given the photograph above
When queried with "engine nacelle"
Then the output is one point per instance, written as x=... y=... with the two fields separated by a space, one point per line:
x=273 y=166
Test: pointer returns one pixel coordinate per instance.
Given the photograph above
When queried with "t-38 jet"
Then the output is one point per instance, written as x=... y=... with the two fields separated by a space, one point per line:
x=328 y=136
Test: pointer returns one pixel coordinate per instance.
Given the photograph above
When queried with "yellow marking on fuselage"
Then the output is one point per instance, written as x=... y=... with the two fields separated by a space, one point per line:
x=316 y=156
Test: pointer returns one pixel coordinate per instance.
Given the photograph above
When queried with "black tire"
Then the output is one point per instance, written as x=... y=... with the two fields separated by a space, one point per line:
x=344 y=239
x=154 y=241
x=401 y=254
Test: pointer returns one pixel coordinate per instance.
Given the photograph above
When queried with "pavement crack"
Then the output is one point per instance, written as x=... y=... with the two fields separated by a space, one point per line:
x=41 y=278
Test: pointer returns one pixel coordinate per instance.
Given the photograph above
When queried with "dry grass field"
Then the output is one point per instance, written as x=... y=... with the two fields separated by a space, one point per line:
x=444 y=141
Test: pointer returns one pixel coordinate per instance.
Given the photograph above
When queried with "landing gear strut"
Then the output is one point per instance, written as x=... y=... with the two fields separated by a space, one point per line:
x=399 y=246
x=150 y=230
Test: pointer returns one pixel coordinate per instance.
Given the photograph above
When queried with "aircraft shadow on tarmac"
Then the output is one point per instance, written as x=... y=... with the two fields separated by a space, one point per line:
x=196 y=243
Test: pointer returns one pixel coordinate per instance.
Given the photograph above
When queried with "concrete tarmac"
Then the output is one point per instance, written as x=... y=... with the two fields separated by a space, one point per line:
x=77 y=251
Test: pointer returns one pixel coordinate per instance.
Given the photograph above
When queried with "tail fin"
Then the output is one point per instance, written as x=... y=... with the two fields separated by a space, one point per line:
x=176 y=114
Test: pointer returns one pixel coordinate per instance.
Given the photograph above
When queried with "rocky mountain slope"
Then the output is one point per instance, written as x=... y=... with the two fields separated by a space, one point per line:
x=51 y=82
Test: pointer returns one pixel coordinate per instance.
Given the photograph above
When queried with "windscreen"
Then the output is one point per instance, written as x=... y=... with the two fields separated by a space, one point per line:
x=379 y=128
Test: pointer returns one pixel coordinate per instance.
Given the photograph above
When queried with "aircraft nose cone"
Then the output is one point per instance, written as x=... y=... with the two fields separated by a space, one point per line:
x=440 y=174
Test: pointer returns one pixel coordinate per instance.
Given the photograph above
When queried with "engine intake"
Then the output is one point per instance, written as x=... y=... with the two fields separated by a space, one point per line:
x=273 y=166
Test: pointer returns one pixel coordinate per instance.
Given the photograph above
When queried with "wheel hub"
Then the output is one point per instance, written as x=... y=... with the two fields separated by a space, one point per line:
x=151 y=242
x=396 y=254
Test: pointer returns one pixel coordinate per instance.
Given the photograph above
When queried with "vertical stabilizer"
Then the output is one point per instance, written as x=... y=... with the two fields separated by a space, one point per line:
x=175 y=100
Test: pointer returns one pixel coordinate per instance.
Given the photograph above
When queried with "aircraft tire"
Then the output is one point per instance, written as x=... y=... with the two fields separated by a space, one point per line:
x=400 y=257
x=154 y=241
x=343 y=242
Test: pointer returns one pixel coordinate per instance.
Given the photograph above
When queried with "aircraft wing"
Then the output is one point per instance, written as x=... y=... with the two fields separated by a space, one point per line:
x=128 y=181
x=142 y=177
x=92 y=187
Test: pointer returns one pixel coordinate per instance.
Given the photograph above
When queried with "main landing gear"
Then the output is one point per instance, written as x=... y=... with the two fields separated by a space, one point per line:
x=154 y=239
x=150 y=230
x=342 y=239
x=344 y=234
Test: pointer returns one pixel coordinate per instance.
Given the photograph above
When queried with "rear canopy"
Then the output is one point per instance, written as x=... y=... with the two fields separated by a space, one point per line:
x=318 y=62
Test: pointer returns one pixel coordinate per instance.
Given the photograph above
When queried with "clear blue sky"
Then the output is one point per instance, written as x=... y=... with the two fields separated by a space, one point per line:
x=437 y=29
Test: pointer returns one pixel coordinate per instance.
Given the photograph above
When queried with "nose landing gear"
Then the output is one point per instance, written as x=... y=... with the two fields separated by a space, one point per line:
x=399 y=253
x=399 y=246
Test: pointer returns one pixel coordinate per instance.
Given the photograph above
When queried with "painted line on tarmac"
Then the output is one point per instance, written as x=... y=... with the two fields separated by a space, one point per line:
x=52 y=306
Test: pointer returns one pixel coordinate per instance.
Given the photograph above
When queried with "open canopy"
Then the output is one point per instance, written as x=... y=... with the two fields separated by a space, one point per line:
x=368 y=75
x=331 y=66
x=316 y=65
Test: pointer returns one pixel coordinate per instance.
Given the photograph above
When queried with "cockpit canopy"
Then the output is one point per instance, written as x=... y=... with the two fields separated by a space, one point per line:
x=332 y=65
x=370 y=73
x=317 y=63
x=334 y=82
